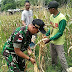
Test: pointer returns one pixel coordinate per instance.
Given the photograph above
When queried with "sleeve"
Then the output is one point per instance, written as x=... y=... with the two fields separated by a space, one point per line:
x=62 y=25
x=48 y=33
x=23 y=16
x=16 y=45
x=17 y=41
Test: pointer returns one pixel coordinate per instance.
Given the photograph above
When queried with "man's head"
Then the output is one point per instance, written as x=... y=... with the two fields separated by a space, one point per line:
x=27 y=5
x=52 y=6
x=36 y=26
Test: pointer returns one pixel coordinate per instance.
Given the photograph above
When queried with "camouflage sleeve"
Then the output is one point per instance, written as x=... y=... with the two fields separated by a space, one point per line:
x=15 y=45
x=18 y=38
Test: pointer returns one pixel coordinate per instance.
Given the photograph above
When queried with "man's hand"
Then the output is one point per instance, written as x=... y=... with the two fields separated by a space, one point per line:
x=23 y=23
x=32 y=61
x=47 y=41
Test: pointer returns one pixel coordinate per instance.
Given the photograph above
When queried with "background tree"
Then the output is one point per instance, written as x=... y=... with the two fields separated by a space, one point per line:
x=64 y=2
x=0 y=4
x=8 y=4
x=12 y=4
x=20 y=3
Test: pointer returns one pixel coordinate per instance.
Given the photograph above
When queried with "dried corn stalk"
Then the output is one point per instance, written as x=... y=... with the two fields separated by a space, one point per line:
x=70 y=48
x=4 y=67
x=35 y=65
x=36 y=68
x=42 y=51
x=26 y=66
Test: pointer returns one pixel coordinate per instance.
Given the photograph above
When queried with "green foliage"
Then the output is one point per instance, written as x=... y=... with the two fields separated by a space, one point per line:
x=47 y=1
x=0 y=4
x=20 y=3
x=8 y=4
x=12 y=4
x=62 y=2
x=34 y=2
x=9 y=23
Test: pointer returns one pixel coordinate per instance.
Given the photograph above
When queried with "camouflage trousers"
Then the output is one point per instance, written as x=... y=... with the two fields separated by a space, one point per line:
x=14 y=62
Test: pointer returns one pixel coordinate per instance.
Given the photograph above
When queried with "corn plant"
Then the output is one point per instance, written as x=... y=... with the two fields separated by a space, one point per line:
x=8 y=23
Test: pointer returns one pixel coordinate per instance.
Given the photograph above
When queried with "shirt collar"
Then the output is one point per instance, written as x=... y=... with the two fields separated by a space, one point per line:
x=56 y=15
x=28 y=33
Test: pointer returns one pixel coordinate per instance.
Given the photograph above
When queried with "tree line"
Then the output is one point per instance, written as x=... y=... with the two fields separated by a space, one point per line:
x=13 y=4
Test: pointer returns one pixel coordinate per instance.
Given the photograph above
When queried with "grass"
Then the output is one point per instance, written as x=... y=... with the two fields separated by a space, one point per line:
x=10 y=22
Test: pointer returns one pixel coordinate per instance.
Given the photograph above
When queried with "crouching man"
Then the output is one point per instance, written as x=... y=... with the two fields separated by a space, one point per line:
x=19 y=42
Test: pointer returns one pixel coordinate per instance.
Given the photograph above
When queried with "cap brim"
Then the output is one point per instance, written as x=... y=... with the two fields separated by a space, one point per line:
x=42 y=30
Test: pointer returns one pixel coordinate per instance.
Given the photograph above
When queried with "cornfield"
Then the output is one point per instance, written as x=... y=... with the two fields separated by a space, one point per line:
x=41 y=52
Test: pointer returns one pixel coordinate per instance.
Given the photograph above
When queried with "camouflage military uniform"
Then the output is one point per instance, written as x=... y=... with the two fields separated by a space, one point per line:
x=20 y=38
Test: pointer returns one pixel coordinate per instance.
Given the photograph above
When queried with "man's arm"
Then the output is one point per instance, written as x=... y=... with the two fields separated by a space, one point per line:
x=21 y=54
x=23 y=23
x=48 y=33
x=62 y=25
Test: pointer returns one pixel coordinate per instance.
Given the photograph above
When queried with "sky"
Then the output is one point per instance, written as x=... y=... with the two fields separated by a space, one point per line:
x=0 y=0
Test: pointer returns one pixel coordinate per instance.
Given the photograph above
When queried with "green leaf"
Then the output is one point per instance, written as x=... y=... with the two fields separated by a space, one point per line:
x=67 y=17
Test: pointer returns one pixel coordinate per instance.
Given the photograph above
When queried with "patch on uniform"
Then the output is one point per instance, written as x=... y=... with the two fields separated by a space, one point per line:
x=56 y=24
x=19 y=40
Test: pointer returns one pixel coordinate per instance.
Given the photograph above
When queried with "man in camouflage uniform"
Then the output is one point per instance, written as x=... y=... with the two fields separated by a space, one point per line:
x=19 y=42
